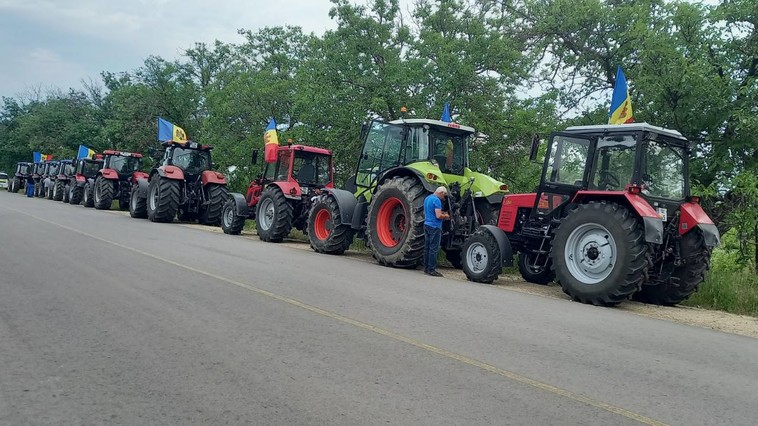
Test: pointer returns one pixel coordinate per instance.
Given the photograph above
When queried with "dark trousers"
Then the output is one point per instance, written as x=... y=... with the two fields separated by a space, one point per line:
x=29 y=190
x=431 y=247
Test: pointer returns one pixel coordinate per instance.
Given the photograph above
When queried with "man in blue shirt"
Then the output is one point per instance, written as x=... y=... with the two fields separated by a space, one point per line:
x=433 y=217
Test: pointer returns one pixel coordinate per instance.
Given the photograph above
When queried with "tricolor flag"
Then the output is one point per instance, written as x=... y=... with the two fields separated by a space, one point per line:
x=621 y=104
x=39 y=157
x=270 y=142
x=85 y=152
x=169 y=132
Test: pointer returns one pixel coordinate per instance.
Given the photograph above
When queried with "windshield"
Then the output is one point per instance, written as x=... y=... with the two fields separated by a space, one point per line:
x=53 y=169
x=449 y=151
x=192 y=161
x=568 y=157
x=381 y=151
x=663 y=172
x=24 y=169
x=311 y=169
x=123 y=165
x=90 y=169
x=614 y=163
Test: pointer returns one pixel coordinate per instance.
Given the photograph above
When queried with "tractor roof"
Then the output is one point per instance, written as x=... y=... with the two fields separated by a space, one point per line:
x=455 y=127
x=625 y=128
x=306 y=148
x=188 y=145
x=122 y=153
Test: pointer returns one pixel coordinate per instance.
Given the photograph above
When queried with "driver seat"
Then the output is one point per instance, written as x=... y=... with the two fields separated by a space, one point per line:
x=307 y=173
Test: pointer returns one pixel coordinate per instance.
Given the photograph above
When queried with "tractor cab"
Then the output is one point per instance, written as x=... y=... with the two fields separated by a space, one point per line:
x=24 y=169
x=308 y=167
x=63 y=169
x=51 y=168
x=87 y=167
x=191 y=157
x=123 y=163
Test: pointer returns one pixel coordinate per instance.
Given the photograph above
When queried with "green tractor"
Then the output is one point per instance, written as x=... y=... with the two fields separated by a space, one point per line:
x=401 y=163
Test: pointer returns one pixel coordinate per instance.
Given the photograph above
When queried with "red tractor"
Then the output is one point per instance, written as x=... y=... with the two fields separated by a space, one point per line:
x=281 y=198
x=115 y=180
x=182 y=183
x=83 y=175
x=612 y=218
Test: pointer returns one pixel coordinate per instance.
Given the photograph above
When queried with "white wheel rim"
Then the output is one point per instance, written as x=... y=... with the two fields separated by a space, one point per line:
x=590 y=253
x=228 y=216
x=267 y=213
x=153 y=196
x=477 y=257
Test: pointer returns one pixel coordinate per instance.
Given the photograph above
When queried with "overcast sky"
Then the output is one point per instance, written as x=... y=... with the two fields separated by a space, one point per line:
x=57 y=43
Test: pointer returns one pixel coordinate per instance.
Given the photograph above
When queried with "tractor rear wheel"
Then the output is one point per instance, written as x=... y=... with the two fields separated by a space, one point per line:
x=231 y=222
x=49 y=192
x=211 y=214
x=535 y=272
x=77 y=192
x=395 y=224
x=274 y=216
x=487 y=214
x=66 y=193
x=686 y=277
x=103 y=193
x=58 y=190
x=599 y=254
x=162 y=199
x=88 y=199
x=482 y=260
x=326 y=232
x=137 y=204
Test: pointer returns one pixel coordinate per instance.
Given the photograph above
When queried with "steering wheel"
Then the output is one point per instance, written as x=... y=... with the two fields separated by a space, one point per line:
x=608 y=179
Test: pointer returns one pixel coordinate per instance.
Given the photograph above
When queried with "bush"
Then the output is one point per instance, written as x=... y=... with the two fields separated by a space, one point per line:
x=730 y=291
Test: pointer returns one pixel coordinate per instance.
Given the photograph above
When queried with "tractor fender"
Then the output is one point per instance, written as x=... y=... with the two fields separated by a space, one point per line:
x=693 y=216
x=407 y=171
x=142 y=185
x=80 y=180
x=291 y=190
x=170 y=172
x=109 y=174
x=346 y=202
x=209 y=176
x=240 y=204
x=506 y=251
x=139 y=175
x=651 y=221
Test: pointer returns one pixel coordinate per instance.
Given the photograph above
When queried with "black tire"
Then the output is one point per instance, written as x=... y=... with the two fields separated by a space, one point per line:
x=231 y=222
x=542 y=275
x=454 y=257
x=275 y=223
x=137 y=204
x=487 y=214
x=326 y=232
x=163 y=196
x=395 y=230
x=481 y=259
x=89 y=197
x=686 y=277
x=103 y=193
x=77 y=193
x=605 y=224
x=49 y=192
x=16 y=183
x=211 y=214
x=66 y=193
x=58 y=189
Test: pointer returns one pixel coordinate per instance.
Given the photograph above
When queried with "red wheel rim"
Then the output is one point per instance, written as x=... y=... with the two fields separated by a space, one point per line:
x=320 y=224
x=391 y=222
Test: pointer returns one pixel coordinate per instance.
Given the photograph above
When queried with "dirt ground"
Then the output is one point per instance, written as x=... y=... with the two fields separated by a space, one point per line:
x=715 y=320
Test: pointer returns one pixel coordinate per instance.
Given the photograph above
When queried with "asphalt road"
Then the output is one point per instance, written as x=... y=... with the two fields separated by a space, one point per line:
x=108 y=319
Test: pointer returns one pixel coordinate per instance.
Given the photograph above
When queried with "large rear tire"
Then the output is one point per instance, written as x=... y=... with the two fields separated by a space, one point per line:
x=58 y=190
x=77 y=193
x=540 y=273
x=103 y=193
x=686 y=277
x=326 y=232
x=481 y=259
x=274 y=216
x=599 y=254
x=88 y=200
x=231 y=222
x=162 y=199
x=211 y=214
x=395 y=225
x=137 y=204
x=16 y=185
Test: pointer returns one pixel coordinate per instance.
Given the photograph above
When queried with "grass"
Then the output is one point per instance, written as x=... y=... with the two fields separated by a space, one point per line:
x=730 y=291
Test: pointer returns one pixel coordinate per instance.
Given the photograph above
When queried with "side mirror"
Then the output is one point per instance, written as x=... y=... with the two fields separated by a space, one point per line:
x=254 y=158
x=535 y=148
x=364 y=131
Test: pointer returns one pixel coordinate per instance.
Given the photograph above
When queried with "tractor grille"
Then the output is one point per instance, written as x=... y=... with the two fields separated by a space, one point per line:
x=506 y=218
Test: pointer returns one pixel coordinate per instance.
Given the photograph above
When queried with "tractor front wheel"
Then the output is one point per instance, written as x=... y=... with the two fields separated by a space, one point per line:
x=58 y=190
x=162 y=199
x=326 y=232
x=15 y=185
x=535 y=270
x=231 y=222
x=395 y=224
x=482 y=260
x=137 y=204
x=89 y=200
x=103 y=193
x=685 y=278
x=599 y=254
x=274 y=216
x=211 y=213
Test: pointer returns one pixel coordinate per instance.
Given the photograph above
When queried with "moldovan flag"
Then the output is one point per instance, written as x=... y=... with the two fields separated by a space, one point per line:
x=168 y=131
x=85 y=152
x=270 y=142
x=621 y=104
x=39 y=157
